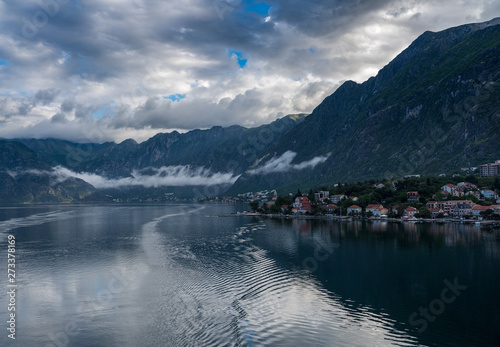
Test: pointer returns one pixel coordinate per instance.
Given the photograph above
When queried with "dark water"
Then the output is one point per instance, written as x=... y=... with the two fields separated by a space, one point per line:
x=178 y=275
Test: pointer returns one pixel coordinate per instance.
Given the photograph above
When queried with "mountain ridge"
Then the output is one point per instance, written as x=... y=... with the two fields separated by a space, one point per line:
x=393 y=124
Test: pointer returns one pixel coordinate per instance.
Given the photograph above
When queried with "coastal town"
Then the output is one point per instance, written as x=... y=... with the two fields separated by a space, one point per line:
x=470 y=197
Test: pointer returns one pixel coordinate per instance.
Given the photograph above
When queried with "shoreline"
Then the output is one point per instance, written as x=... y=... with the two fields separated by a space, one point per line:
x=348 y=219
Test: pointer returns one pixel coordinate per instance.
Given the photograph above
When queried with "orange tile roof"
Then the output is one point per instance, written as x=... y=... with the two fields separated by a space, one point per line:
x=481 y=208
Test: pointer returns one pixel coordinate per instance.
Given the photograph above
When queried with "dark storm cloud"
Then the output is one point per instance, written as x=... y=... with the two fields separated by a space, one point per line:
x=322 y=17
x=46 y=96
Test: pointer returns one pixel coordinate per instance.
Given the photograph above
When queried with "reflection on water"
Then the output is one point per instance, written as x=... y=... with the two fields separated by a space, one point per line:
x=177 y=275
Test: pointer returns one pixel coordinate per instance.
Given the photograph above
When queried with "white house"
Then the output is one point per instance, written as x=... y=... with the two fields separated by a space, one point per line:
x=410 y=212
x=489 y=194
x=354 y=209
x=336 y=198
x=476 y=210
x=448 y=188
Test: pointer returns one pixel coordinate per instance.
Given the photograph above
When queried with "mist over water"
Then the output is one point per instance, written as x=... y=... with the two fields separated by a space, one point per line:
x=180 y=275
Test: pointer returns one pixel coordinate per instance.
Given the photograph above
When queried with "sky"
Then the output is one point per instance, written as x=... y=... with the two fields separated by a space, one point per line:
x=109 y=70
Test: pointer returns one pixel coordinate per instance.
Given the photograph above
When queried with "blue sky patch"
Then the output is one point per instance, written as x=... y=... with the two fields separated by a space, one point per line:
x=175 y=97
x=3 y=62
x=312 y=50
x=105 y=111
x=241 y=62
x=258 y=7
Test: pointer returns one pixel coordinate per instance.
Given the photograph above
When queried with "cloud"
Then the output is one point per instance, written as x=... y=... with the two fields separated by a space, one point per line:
x=283 y=163
x=173 y=176
x=164 y=176
x=243 y=62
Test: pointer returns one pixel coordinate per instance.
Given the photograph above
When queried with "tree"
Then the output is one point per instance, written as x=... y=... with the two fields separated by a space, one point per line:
x=311 y=195
x=284 y=200
x=440 y=196
x=315 y=209
x=472 y=179
x=496 y=184
x=486 y=213
x=472 y=198
x=275 y=208
x=424 y=212
x=401 y=211
x=254 y=205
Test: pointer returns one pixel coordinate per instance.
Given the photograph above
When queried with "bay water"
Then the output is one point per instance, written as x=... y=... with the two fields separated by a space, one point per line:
x=189 y=275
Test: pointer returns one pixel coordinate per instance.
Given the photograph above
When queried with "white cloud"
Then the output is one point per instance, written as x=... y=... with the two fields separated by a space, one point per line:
x=283 y=163
x=173 y=176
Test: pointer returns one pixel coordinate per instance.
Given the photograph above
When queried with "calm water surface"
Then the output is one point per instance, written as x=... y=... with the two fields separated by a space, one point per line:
x=179 y=275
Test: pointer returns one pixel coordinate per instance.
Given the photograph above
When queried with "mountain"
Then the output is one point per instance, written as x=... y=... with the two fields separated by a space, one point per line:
x=24 y=177
x=15 y=155
x=219 y=150
x=47 y=169
x=433 y=109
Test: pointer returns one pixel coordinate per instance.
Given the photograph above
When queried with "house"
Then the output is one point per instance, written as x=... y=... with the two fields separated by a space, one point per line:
x=329 y=208
x=454 y=190
x=301 y=200
x=354 y=209
x=410 y=212
x=284 y=208
x=377 y=210
x=442 y=175
x=413 y=196
x=435 y=212
x=476 y=210
x=321 y=195
x=395 y=209
x=379 y=185
x=490 y=170
x=449 y=206
x=461 y=210
x=337 y=198
x=475 y=193
x=302 y=204
x=380 y=211
x=489 y=194
x=431 y=204
x=467 y=185
x=372 y=207
x=448 y=188
x=304 y=209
